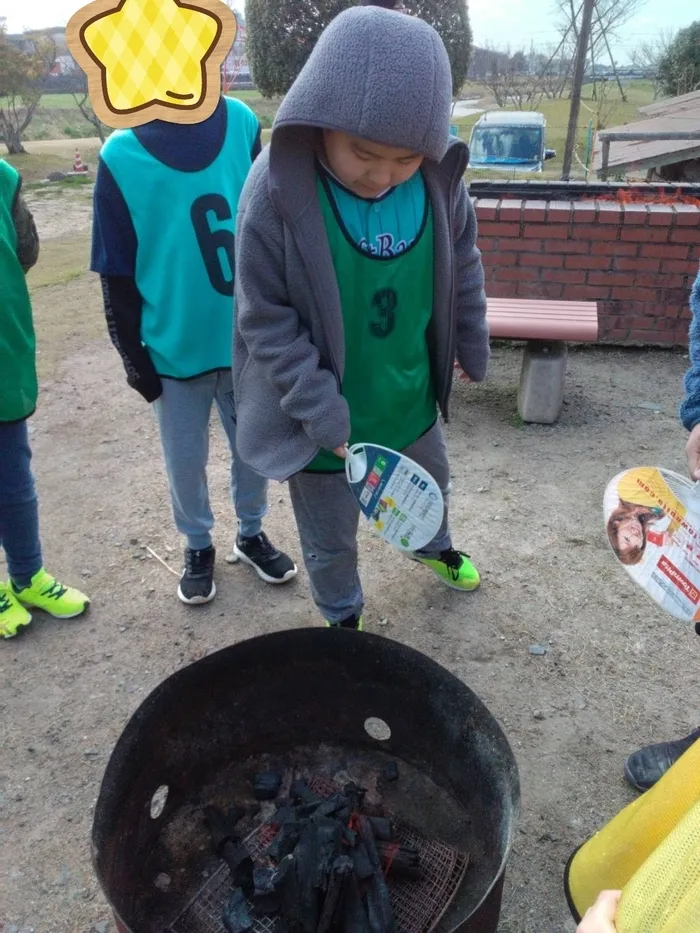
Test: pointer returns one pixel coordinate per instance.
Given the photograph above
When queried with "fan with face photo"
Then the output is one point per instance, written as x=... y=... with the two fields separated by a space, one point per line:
x=652 y=518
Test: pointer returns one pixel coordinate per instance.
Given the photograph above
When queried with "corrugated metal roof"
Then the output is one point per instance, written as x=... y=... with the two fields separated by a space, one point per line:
x=672 y=105
x=643 y=154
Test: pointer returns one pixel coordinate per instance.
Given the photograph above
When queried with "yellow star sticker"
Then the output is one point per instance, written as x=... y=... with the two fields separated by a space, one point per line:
x=152 y=59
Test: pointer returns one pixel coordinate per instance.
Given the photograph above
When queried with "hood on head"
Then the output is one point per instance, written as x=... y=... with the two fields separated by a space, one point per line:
x=377 y=74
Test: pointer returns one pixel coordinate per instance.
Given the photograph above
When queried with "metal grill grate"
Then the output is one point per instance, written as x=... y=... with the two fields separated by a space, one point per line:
x=418 y=905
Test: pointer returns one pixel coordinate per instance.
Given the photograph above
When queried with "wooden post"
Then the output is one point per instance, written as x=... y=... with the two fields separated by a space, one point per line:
x=579 y=71
x=606 y=160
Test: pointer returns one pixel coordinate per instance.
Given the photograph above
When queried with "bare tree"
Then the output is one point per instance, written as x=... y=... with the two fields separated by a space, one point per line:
x=647 y=58
x=510 y=86
x=233 y=64
x=81 y=96
x=23 y=71
x=608 y=19
x=235 y=60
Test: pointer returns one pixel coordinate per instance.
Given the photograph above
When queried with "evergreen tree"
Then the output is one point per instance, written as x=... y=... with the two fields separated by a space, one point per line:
x=679 y=67
x=282 y=33
x=451 y=19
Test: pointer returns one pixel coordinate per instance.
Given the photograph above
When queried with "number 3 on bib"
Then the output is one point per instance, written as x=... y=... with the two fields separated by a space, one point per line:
x=215 y=245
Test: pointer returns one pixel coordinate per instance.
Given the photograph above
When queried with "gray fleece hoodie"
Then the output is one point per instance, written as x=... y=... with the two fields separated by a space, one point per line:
x=383 y=76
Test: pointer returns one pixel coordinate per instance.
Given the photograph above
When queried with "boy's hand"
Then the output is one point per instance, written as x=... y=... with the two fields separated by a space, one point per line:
x=341 y=452
x=463 y=377
x=692 y=452
x=600 y=918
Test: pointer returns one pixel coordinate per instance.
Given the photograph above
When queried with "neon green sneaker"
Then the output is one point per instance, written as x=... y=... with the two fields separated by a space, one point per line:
x=454 y=569
x=13 y=616
x=59 y=601
x=353 y=623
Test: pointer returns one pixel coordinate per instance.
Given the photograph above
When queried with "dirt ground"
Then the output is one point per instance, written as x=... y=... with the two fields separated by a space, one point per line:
x=527 y=506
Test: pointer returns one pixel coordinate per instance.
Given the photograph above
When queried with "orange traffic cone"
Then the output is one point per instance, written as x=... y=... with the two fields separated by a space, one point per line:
x=78 y=165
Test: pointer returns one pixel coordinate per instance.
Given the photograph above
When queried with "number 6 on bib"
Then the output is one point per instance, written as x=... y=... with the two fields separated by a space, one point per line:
x=400 y=499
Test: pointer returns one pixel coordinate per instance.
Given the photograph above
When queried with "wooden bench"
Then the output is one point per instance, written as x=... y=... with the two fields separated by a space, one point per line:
x=547 y=326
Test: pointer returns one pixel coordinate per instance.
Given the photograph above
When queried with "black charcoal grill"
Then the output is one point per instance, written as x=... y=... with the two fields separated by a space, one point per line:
x=326 y=706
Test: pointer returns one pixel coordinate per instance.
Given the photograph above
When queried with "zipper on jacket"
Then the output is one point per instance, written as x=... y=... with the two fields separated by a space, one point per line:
x=452 y=343
x=311 y=273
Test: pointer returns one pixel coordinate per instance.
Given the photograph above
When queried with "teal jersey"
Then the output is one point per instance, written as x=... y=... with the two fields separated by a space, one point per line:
x=386 y=226
x=185 y=225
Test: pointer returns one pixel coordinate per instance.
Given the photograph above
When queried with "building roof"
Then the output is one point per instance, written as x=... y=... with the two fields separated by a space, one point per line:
x=661 y=108
x=674 y=115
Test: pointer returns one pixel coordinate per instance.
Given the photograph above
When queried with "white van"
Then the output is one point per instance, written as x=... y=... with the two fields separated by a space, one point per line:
x=509 y=139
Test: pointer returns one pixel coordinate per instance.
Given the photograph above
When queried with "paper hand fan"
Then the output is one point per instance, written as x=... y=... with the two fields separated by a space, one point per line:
x=401 y=500
x=652 y=517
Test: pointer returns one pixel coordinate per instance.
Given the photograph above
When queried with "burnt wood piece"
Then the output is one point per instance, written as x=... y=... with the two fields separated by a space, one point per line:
x=399 y=861
x=381 y=828
x=300 y=792
x=379 y=912
x=227 y=846
x=352 y=913
x=341 y=871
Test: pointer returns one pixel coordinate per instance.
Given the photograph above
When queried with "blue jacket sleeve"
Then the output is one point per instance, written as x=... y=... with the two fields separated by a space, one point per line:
x=690 y=406
x=113 y=234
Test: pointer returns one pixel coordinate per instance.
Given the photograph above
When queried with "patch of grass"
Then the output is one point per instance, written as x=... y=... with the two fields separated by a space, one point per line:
x=265 y=109
x=35 y=166
x=67 y=317
x=61 y=260
x=66 y=301
x=57 y=102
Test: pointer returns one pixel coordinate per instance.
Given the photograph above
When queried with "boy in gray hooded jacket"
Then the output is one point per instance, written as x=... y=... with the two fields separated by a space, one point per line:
x=358 y=283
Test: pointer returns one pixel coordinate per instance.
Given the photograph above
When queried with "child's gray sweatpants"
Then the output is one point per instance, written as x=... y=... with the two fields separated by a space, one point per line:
x=327 y=516
x=184 y=412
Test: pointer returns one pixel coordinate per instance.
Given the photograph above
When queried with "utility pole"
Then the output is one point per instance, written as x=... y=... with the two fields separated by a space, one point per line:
x=584 y=36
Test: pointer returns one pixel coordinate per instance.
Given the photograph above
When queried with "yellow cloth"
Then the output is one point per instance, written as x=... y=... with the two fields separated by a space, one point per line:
x=650 y=850
x=664 y=895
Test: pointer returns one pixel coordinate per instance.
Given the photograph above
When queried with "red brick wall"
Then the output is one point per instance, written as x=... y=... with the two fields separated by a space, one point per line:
x=637 y=261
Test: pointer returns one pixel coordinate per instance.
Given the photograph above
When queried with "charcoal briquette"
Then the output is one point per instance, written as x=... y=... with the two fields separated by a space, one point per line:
x=390 y=772
x=266 y=899
x=236 y=916
x=301 y=792
x=382 y=828
x=240 y=865
x=266 y=785
x=222 y=825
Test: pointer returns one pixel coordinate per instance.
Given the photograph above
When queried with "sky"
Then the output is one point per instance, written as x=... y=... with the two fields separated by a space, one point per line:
x=499 y=23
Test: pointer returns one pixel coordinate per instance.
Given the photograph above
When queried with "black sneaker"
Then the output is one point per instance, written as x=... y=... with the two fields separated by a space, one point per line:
x=644 y=768
x=197 y=581
x=271 y=565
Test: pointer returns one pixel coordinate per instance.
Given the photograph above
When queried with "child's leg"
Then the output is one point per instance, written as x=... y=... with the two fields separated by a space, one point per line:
x=327 y=515
x=248 y=488
x=452 y=567
x=430 y=452
x=183 y=412
x=19 y=511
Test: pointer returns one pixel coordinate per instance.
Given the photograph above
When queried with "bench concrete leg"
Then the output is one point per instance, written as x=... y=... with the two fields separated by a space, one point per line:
x=541 y=392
